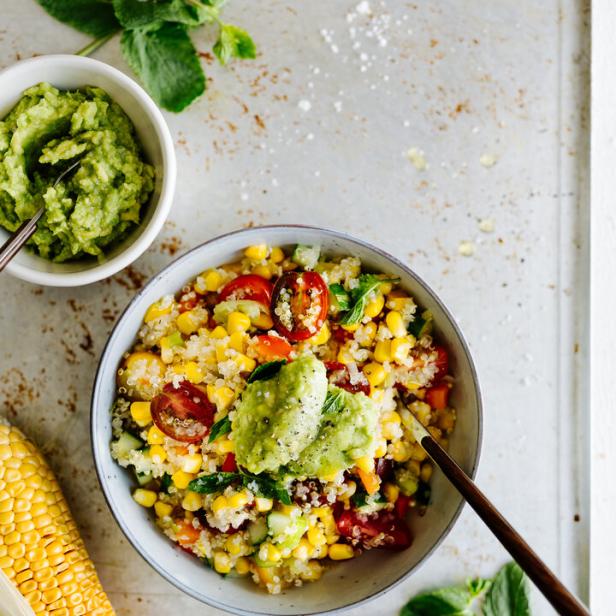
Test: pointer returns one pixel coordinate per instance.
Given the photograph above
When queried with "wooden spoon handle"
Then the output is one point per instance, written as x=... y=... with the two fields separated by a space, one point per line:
x=551 y=587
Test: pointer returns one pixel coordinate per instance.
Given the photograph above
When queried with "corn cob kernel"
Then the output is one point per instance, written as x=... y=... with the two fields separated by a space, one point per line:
x=257 y=252
x=242 y=566
x=162 y=509
x=340 y=551
x=222 y=562
x=181 y=479
x=238 y=322
x=209 y=280
x=146 y=498
x=374 y=306
x=140 y=412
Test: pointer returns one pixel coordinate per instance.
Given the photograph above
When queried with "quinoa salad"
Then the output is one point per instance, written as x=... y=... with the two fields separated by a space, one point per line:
x=265 y=412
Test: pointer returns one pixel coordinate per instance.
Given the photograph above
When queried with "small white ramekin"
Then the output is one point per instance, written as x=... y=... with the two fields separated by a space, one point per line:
x=68 y=72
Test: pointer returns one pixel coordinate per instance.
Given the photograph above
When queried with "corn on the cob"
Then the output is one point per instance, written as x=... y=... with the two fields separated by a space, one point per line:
x=41 y=551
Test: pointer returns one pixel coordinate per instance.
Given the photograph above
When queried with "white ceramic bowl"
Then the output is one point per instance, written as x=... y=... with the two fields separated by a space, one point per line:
x=349 y=582
x=68 y=72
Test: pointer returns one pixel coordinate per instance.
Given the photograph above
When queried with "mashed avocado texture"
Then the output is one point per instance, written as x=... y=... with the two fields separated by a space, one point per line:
x=95 y=206
x=280 y=423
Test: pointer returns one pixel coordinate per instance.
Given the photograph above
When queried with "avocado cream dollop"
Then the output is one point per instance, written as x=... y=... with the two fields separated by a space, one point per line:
x=96 y=205
x=280 y=423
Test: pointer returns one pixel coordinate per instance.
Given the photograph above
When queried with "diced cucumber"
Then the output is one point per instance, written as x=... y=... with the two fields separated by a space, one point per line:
x=286 y=531
x=143 y=478
x=407 y=481
x=126 y=443
x=249 y=307
x=306 y=256
x=257 y=531
x=421 y=325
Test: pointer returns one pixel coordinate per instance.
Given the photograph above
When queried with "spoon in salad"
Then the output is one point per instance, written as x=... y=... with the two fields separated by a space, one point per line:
x=552 y=588
x=14 y=243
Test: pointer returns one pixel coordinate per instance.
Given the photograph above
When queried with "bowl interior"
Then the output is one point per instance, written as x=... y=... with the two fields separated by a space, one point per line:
x=348 y=582
x=71 y=72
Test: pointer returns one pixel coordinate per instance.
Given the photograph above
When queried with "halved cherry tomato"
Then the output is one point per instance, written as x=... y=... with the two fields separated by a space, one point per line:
x=188 y=301
x=187 y=534
x=382 y=529
x=229 y=465
x=401 y=505
x=183 y=413
x=272 y=347
x=438 y=396
x=441 y=363
x=338 y=374
x=307 y=297
x=248 y=286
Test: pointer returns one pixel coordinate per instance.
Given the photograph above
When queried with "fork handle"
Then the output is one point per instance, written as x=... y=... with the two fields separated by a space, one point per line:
x=10 y=248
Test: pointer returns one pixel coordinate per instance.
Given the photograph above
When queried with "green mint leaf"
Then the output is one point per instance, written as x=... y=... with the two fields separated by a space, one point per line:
x=139 y=13
x=166 y=482
x=94 y=17
x=340 y=296
x=508 y=595
x=367 y=284
x=421 y=325
x=216 y=482
x=334 y=401
x=266 y=487
x=477 y=586
x=233 y=42
x=166 y=62
x=454 y=601
x=222 y=426
x=266 y=371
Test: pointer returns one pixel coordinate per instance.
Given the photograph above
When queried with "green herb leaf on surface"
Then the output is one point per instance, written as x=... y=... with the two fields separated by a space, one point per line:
x=508 y=595
x=166 y=62
x=207 y=484
x=340 y=295
x=334 y=402
x=137 y=13
x=93 y=17
x=221 y=427
x=454 y=601
x=267 y=487
x=266 y=371
x=367 y=284
x=233 y=42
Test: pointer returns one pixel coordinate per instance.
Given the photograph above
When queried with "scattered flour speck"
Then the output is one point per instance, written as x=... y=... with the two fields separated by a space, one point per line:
x=305 y=105
x=466 y=248
x=487 y=160
x=417 y=158
x=486 y=225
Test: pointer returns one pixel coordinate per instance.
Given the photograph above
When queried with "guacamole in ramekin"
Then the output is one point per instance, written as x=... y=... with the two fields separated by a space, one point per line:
x=96 y=205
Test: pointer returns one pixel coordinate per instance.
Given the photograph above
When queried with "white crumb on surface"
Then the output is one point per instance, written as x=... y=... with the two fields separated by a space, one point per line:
x=487 y=160
x=466 y=248
x=417 y=158
x=305 y=105
x=486 y=225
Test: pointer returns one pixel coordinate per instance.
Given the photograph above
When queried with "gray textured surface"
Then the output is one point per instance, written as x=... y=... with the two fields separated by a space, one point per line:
x=456 y=79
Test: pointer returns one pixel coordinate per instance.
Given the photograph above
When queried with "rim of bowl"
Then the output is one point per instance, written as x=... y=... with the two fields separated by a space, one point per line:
x=161 y=207
x=175 y=263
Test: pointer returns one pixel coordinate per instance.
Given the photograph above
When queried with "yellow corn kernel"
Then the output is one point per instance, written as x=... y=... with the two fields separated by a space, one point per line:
x=237 y=342
x=401 y=451
x=263 y=270
x=224 y=446
x=391 y=492
x=156 y=310
x=290 y=510
x=162 y=510
x=366 y=463
x=303 y=549
x=242 y=566
x=418 y=453
x=386 y=287
x=395 y=324
x=446 y=421
x=220 y=503
x=155 y=436
x=193 y=373
x=340 y=551
x=398 y=303
x=222 y=562
x=257 y=252
x=276 y=255
x=188 y=322
x=312 y=572
x=158 y=454
x=269 y=552
x=191 y=463
x=381 y=448
x=222 y=397
x=146 y=498
x=375 y=373
x=218 y=333
x=192 y=501
x=366 y=334
x=238 y=322
x=322 y=336
x=263 y=321
x=221 y=351
x=210 y=280
x=239 y=499
x=422 y=411
x=382 y=351
x=400 y=349
x=181 y=479
x=245 y=363
x=316 y=536
x=426 y=472
x=414 y=467
x=344 y=355
x=263 y=504
x=140 y=412
x=266 y=574
x=351 y=328
x=234 y=544
x=374 y=306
